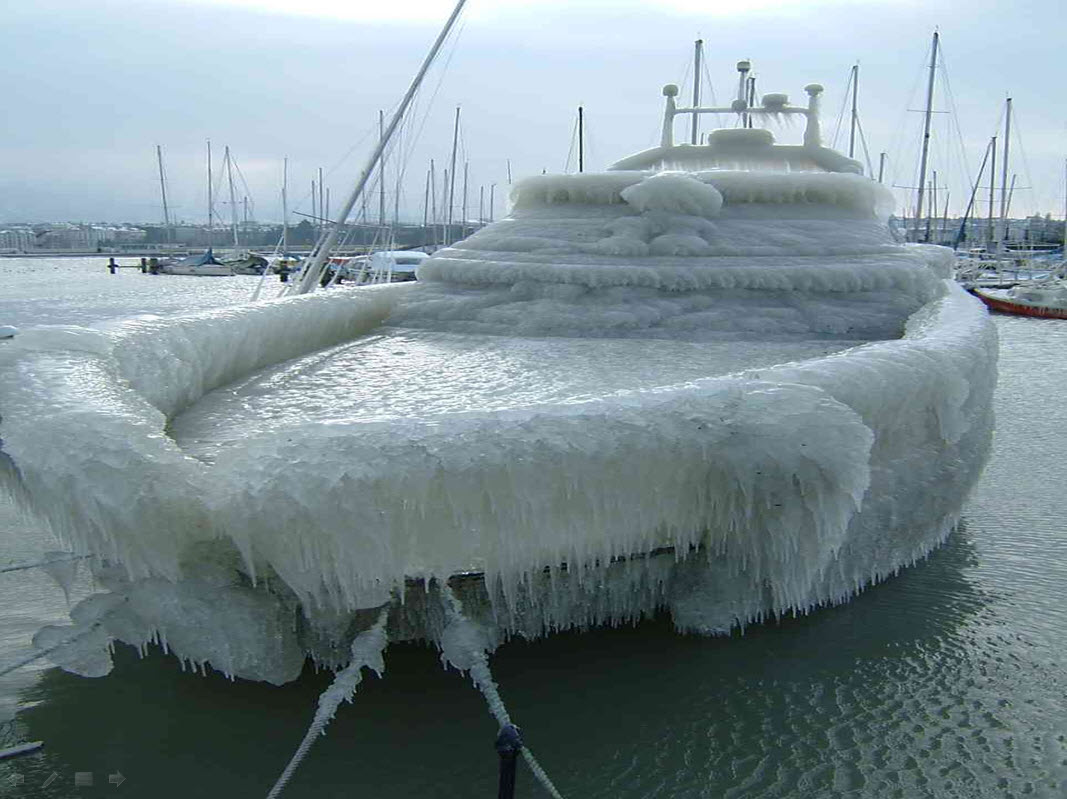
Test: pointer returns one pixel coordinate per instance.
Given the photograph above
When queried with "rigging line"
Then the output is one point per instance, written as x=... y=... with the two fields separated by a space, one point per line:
x=711 y=86
x=96 y=625
x=4 y=671
x=248 y=191
x=1016 y=130
x=42 y=563
x=453 y=46
x=654 y=138
x=866 y=152
x=954 y=115
x=841 y=113
x=570 y=152
x=902 y=135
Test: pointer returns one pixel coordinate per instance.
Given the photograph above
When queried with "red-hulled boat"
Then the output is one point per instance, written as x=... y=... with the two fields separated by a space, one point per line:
x=1048 y=301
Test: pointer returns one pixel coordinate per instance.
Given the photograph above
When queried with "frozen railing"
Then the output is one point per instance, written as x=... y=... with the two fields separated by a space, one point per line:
x=774 y=105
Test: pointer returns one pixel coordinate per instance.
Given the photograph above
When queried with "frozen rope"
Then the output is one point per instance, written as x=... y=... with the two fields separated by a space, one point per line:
x=4 y=671
x=367 y=648
x=473 y=660
x=15 y=567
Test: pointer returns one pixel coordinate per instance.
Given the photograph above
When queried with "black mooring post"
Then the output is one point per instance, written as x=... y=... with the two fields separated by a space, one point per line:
x=508 y=746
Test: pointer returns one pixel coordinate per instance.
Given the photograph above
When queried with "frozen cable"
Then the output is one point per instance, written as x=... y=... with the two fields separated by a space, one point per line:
x=478 y=667
x=367 y=651
x=45 y=652
x=5 y=670
x=15 y=567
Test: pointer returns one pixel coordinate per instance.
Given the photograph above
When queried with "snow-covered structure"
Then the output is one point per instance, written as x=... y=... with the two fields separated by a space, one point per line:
x=707 y=380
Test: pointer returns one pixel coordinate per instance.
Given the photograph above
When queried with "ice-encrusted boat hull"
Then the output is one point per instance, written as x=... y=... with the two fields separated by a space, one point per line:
x=748 y=377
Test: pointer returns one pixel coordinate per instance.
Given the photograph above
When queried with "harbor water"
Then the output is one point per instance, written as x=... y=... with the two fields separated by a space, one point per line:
x=946 y=681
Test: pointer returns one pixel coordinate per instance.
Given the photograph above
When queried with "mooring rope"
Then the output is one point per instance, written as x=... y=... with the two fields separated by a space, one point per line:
x=37 y=564
x=5 y=670
x=478 y=667
x=367 y=651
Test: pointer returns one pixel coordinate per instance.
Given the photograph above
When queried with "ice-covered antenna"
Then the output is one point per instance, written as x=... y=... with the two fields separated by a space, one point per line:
x=773 y=105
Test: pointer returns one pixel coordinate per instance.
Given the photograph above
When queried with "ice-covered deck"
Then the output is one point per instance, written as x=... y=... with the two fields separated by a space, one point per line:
x=414 y=374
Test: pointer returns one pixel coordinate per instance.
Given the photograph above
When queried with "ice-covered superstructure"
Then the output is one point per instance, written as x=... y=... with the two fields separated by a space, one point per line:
x=726 y=393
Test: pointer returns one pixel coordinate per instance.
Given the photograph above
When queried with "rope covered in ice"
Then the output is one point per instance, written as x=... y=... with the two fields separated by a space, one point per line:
x=5 y=670
x=15 y=567
x=477 y=665
x=367 y=648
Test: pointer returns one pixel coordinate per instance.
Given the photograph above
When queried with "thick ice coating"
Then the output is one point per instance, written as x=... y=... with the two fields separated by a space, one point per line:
x=729 y=394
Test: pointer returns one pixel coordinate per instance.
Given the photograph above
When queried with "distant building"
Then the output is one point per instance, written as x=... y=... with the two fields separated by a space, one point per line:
x=17 y=239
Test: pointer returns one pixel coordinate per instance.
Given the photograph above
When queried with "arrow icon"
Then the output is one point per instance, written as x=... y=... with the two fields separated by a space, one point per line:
x=116 y=779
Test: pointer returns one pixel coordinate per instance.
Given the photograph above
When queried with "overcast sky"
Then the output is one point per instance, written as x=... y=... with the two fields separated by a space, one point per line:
x=90 y=89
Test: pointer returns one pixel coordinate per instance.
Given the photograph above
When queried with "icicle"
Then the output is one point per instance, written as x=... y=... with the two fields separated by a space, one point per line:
x=464 y=644
x=367 y=651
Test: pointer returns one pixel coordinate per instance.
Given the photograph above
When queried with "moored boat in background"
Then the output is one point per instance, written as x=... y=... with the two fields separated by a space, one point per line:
x=204 y=264
x=1047 y=299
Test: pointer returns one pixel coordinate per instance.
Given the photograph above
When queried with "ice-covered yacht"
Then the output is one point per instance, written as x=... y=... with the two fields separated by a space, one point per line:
x=707 y=381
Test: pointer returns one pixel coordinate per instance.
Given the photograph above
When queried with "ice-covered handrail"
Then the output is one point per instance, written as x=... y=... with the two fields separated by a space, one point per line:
x=774 y=105
x=463 y=645
x=367 y=651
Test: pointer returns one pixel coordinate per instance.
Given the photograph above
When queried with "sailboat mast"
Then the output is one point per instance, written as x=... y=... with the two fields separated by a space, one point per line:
x=581 y=139
x=926 y=133
x=322 y=205
x=463 y=220
x=210 y=199
x=452 y=179
x=233 y=198
x=381 y=172
x=285 y=206
x=1004 y=166
x=855 y=113
x=426 y=202
x=992 y=192
x=313 y=271
x=970 y=203
x=433 y=200
x=163 y=190
x=444 y=199
x=698 y=51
